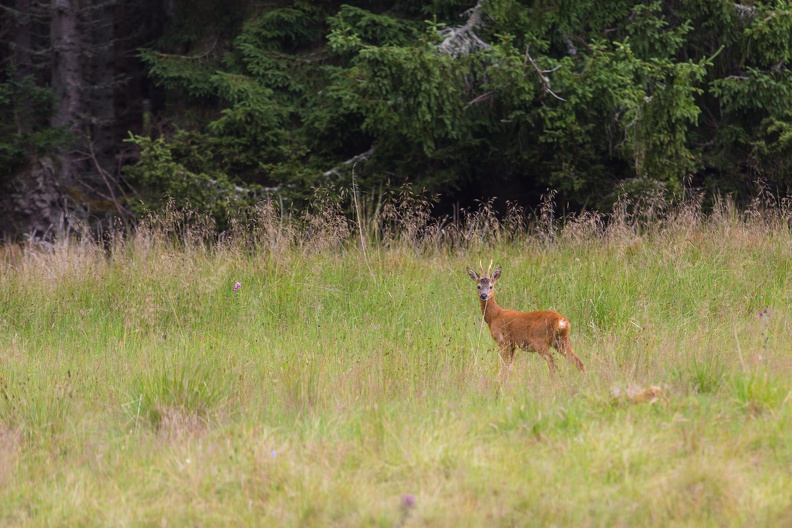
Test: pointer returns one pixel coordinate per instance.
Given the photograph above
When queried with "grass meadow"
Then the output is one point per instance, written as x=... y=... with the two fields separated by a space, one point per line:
x=350 y=381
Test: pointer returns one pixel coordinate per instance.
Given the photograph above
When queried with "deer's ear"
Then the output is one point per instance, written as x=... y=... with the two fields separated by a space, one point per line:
x=473 y=274
x=496 y=273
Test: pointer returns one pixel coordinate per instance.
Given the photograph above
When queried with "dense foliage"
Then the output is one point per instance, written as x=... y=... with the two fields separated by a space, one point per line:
x=467 y=100
x=585 y=97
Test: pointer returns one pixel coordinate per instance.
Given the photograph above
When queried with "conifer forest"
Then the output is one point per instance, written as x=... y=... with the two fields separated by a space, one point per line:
x=112 y=108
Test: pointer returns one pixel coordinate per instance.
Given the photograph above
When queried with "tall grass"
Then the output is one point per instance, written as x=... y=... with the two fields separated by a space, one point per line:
x=349 y=388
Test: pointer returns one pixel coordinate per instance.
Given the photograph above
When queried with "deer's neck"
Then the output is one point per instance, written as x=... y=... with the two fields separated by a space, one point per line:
x=490 y=309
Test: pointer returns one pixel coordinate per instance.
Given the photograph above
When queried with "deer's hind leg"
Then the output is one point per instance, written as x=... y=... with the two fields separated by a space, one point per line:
x=561 y=343
x=550 y=360
x=543 y=349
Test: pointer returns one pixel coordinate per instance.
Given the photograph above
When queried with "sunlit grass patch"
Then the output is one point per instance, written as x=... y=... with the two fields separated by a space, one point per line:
x=181 y=396
x=37 y=405
x=760 y=392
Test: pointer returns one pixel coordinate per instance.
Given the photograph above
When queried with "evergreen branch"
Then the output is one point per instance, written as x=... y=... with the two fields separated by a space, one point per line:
x=296 y=58
x=189 y=57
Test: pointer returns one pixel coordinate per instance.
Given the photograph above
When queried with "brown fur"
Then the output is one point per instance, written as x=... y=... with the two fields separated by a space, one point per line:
x=532 y=331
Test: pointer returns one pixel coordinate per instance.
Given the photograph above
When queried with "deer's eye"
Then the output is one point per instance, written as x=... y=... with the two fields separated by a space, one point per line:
x=479 y=287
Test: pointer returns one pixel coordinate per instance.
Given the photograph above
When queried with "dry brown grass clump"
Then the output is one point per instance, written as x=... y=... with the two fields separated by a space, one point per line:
x=10 y=448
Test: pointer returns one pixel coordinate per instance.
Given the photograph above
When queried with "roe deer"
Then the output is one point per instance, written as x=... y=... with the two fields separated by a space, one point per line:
x=532 y=331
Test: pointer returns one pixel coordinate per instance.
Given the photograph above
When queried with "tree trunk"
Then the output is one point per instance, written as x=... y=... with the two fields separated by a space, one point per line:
x=39 y=194
x=66 y=72
x=67 y=77
x=101 y=86
x=23 y=62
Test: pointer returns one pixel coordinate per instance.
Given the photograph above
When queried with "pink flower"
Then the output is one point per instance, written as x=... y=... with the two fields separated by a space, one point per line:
x=237 y=286
x=407 y=501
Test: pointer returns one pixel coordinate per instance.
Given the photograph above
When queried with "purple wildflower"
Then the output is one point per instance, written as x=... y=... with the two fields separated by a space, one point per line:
x=237 y=286
x=407 y=504
x=408 y=501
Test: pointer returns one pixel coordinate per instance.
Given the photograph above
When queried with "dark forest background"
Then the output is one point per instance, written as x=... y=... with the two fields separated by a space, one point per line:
x=112 y=108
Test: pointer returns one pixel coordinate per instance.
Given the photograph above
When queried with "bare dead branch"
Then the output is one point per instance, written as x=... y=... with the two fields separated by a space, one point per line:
x=486 y=96
x=351 y=161
x=109 y=182
x=744 y=11
x=462 y=40
x=542 y=74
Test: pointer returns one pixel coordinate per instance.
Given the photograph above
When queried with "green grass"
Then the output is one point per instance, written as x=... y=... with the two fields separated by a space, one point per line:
x=137 y=388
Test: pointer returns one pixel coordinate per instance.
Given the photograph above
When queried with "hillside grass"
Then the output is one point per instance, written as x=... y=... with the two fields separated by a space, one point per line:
x=355 y=385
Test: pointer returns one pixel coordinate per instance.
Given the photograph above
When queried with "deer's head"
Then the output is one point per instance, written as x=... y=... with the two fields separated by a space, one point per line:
x=485 y=282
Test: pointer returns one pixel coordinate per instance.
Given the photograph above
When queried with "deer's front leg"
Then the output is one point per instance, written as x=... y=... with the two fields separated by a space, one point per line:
x=506 y=359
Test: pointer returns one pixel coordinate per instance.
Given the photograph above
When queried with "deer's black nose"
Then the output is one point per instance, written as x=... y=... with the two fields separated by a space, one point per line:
x=483 y=296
